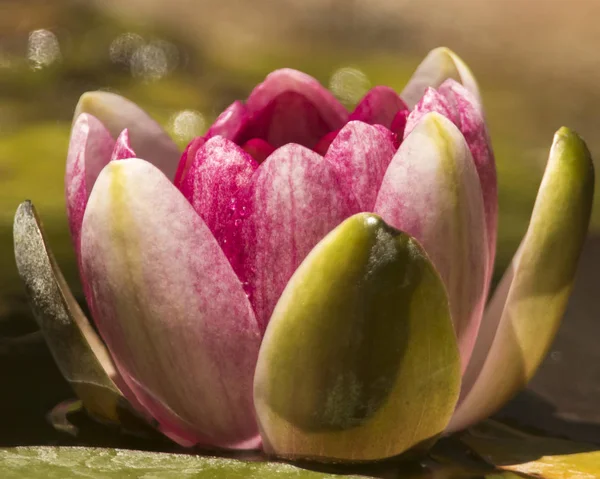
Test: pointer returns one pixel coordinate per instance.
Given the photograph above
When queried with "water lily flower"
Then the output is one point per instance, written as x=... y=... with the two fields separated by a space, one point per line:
x=304 y=278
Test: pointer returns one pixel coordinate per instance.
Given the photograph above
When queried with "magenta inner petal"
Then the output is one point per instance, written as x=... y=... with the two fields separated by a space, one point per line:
x=186 y=159
x=259 y=149
x=220 y=168
x=289 y=118
x=379 y=106
x=399 y=125
x=123 y=149
x=230 y=122
x=295 y=198
x=325 y=142
x=289 y=80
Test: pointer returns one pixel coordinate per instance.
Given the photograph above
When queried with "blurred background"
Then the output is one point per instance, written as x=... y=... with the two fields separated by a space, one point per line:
x=185 y=60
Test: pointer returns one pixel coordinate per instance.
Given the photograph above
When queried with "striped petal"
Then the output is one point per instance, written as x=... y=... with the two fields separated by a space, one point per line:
x=431 y=191
x=359 y=361
x=439 y=65
x=361 y=154
x=90 y=149
x=525 y=312
x=148 y=139
x=287 y=80
x=169 y=306
x=294 y=200
x=378 y=107
x=218 y=171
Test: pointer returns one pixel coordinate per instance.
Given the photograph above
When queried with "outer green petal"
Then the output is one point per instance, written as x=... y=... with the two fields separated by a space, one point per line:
x=526 y=310
x=78 y=351
x=440 y=64
x=359 y=361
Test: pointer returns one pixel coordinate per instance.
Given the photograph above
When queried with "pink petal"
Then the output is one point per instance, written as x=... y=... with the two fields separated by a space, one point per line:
x=287 y=80
x=361 y=154
x=148 y=139
x=122 y=149
x=294 y=200
x=432 y=101
x=90 y=149
x=289 y=118
x=470 y=121
x=379 y=107
x=171 y=424
x=258 y=149
x=169 y=306
x=230 y=122
x=218 y=171
x=187 y=158
x=431 y=191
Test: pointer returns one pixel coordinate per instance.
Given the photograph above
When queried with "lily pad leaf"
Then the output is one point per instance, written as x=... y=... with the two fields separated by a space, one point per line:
x=81 y=462
x=84 y=462
x=360 y=360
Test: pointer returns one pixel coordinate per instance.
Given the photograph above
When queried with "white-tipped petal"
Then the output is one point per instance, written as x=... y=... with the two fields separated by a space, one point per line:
x=169 y=306
x=148 y=139
x=439 y=65
x=431 y=191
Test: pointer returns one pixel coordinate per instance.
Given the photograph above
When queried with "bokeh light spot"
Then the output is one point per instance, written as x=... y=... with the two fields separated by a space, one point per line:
x=43 y=49
x=349 y=84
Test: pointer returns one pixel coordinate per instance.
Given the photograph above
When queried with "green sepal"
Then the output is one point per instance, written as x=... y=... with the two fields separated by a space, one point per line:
x=359 y=361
